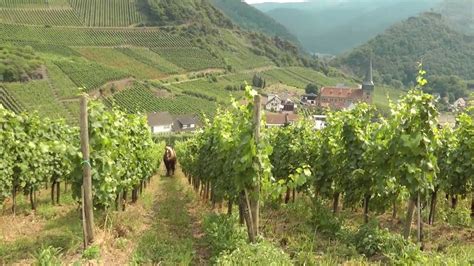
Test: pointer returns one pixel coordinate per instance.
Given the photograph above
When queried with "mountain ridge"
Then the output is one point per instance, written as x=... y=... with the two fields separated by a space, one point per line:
x=428 y=38
x=250 y=18
x=334 y=28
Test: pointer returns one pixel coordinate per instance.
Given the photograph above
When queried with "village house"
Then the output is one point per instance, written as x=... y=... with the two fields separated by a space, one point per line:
x=319 y=122
x=279 y=120
x=186 y=123
x=161 y=122
x=273 y=103
x=288 y=106
x=310 y=99
x=342 y=97
x=459 y=104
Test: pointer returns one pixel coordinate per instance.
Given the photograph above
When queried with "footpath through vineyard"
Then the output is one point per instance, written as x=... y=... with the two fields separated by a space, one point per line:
x=175 y=236
x=163 y=226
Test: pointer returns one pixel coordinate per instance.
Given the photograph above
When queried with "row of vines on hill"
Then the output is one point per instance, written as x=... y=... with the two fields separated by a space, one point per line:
x=123 y=155
x=359 y=157
x=34 y=151
x=140 y=98
x=104 y=13
x=362 y=157
x=56 y=17
x=37 y=152
x=142 y=37
x=230 y=160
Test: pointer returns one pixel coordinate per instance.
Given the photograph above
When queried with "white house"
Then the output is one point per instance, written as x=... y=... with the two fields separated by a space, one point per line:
x=186 y=123
x=459 y=104
x=319 y=121
x=310 y=99
x=273 y=103
x=160 y=122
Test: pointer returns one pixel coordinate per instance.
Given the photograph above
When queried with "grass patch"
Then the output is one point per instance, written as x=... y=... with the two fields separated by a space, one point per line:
x=223 y=233
x=51 y=231
x=26 y=248
x=311 y=235
x=48 y=256
x=170 y=239
x=91 y=253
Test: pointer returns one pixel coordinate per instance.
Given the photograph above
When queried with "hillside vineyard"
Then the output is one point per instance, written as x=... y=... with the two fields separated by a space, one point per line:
x=286 y=154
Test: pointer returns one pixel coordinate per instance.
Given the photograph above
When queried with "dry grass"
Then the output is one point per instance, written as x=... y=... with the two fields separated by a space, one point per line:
x=27 y=233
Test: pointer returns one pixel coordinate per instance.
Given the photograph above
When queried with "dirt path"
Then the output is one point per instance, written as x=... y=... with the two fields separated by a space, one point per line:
x=246 y=71
x=119 y=85
x=175 y=236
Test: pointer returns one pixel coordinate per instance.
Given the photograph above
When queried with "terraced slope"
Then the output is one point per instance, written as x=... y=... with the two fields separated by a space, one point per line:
x=37 y=96
x=142 y=99
x=143 y=59
x=141 y=37
x=9 y=102
x=41 y=16
x=87 y=74
x=34 y=3
x=107 y=13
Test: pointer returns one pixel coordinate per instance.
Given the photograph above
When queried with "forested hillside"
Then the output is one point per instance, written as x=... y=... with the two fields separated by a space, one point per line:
x=338 y=26
x=251 y=18
x=427 y=37
x=169 y=12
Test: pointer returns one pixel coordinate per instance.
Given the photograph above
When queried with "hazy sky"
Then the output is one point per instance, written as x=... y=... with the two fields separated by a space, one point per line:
x=279 y=1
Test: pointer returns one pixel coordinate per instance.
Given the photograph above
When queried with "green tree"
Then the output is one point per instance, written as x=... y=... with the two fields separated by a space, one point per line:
x=258 y=81
x=452 y=87
x=312 y=88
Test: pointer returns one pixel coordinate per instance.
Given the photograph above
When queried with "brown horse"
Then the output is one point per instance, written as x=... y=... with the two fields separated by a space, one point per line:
x=169 y=158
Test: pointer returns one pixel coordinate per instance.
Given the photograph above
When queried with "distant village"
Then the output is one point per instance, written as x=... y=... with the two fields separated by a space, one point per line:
x=282 y=110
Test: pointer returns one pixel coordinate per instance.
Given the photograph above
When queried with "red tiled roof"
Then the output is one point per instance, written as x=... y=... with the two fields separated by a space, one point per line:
x=334 y=92
x=280 y=119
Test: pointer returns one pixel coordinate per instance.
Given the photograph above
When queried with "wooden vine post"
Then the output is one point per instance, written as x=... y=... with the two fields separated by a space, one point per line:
x=87 y=213
x=255 y=206
x=419 y=233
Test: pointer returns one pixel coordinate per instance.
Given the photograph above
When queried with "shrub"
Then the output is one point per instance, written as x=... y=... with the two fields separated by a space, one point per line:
x=234 y=87
x=325 y=221
x=223 y=233
x=370 y=240
x=48 y=256
x=263 y=253
x=91 y=253
x=200 y=95
x=212 y=79
x=18 y=63
x=460 y=216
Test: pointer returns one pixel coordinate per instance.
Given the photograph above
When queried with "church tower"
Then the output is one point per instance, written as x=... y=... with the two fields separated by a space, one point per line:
x=368 y=84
